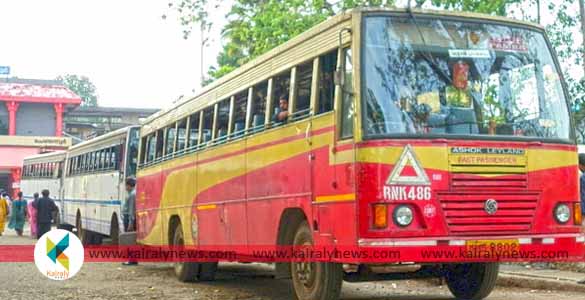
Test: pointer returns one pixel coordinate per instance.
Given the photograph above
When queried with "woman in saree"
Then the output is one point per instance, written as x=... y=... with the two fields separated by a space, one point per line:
x=18 y=214
x=32 y=216
x=3 y=211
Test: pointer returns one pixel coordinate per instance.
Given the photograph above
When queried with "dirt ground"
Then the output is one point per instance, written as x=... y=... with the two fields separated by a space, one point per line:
x=234 y=282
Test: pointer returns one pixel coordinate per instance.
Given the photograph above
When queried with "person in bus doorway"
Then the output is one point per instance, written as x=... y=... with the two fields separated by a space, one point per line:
x=281 y=112
x=4 y=210
x=18 y=214
x=129 y=210
x=45 y=207
x=32 y=216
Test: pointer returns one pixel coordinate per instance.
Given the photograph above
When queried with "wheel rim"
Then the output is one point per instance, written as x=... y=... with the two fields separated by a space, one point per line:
x=305 y=271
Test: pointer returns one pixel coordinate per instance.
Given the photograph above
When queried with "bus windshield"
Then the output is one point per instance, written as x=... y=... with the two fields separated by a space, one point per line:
x=437 y=77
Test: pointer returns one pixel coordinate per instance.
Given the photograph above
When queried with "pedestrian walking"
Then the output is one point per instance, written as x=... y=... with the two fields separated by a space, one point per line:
x=4 y=210
x=582 y=188
x=45 y=207
x=32 y=216
x=18 y=215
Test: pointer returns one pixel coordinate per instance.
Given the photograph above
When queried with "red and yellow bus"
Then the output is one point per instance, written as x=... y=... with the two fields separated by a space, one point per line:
x=429 y=134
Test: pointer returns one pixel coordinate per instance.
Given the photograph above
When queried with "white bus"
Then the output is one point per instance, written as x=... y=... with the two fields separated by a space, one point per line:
x=94 y=184
x=43 y=171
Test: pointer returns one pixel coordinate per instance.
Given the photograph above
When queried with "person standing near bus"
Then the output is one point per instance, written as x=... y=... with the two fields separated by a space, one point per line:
x=18 y=214
x=3 y=211
x=32 y=216
x=45 y=207
x=129 y=210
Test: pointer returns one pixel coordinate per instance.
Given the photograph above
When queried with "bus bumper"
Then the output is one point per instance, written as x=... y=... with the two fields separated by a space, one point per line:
x=534 y=248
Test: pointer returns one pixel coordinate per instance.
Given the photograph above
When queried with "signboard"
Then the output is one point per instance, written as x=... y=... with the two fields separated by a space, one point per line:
x=4 y=70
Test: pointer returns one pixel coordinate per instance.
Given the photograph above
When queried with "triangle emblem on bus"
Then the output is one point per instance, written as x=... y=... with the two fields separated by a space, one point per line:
x=408 y=170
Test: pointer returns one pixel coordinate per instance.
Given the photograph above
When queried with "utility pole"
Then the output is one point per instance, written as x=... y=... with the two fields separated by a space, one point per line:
x=538 y=11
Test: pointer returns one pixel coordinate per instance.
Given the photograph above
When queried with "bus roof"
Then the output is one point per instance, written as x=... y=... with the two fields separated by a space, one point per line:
x=100 y=139
x=45 y=157
x=315 y=30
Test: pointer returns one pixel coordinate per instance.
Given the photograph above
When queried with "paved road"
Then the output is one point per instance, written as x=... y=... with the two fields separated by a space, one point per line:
x=234 y=282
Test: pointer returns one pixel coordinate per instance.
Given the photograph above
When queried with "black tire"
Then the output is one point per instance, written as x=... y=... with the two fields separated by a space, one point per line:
x=473 y=281
x=191 y=271
x=115 y=231
x=81 y=234
x=314 y=280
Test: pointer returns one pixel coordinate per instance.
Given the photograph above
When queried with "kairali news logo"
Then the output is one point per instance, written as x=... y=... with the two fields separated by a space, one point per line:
x=59 y=254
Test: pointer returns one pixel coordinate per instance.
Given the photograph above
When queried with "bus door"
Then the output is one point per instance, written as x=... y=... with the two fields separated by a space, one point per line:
x=334 y=150
x=129 y=160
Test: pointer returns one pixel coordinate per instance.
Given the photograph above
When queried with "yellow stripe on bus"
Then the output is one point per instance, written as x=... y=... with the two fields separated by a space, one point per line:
x=205 y=207
x=331 y=198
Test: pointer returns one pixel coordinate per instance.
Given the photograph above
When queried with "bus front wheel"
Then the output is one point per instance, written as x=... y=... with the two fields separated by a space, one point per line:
x=472 y=281
x=314 y=280
x=191 y=271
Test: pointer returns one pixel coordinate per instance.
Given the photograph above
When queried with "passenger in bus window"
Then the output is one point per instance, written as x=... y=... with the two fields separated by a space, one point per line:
x=281 y=112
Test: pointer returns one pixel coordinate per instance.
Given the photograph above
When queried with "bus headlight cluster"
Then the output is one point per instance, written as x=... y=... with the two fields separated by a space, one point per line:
x=562 y=213
x=403 y=215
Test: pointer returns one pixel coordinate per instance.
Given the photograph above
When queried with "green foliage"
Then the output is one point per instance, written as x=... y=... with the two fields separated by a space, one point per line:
x=256 y=26
x=83 y=87
x=492 y=7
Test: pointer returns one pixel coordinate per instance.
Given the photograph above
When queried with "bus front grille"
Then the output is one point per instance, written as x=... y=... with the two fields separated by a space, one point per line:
x=466 y=214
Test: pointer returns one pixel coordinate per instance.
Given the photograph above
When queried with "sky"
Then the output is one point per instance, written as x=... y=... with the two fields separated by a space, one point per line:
x=133 y=56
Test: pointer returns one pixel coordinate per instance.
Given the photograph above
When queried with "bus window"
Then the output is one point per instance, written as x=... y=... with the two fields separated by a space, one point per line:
x=159 y=143
x=223 y=118
x=281 y=90
x=181 y=135
x=170 y=139
x=151 y=148
x=194 y=129
x=240 y=104
x=60 y=169
x=328 y=63
x=258 y=113
x=116 y=156
x=303 y=88
x=207 y=124
x=347 y=107
x=143 y=150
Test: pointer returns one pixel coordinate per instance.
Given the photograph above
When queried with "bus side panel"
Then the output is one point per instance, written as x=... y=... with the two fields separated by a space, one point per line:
x=178 y=195
x=148 y=207
x=221 y=208
x=278 y=177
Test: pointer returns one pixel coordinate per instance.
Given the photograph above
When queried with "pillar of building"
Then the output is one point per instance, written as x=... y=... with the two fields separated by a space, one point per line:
x=12 y=108
x=15 y=182
x=59 y=108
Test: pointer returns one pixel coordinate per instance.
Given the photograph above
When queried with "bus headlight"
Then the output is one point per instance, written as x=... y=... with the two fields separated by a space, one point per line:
x=562 y=213
x=403 y=215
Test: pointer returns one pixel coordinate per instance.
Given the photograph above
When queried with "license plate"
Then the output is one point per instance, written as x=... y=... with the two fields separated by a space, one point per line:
x=497 y=245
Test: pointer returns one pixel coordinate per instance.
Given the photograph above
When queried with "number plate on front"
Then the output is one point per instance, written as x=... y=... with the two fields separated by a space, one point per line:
x=498 y=245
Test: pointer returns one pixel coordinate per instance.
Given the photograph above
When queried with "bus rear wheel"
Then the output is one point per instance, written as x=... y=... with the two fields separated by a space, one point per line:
x=472 y=281
x=191 y=271
x=314 y=280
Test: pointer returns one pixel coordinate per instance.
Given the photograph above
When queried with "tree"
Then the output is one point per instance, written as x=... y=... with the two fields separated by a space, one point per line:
x=82 y=86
